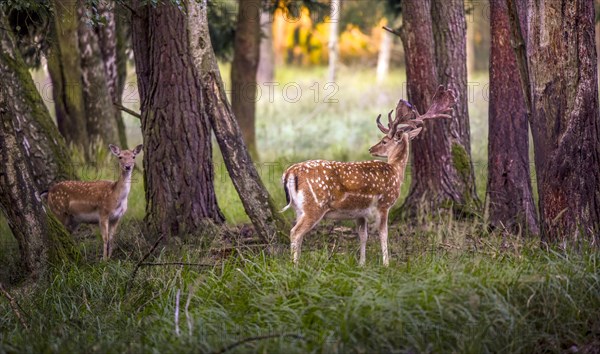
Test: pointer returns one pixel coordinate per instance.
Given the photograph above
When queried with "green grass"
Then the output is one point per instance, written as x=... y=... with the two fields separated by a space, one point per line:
x=442 y=293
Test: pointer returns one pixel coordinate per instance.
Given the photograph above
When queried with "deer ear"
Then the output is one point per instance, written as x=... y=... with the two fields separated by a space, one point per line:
x=413 y=133
x=138 y=149
x=114 y=149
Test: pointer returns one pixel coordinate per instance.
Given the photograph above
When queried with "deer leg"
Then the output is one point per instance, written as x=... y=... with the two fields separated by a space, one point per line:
x=383 y=235
x=361 y=227
x=112 y=228
x=105 y=239
x=303 y=225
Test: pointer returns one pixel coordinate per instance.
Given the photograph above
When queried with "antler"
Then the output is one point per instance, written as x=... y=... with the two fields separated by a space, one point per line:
x=408 y=118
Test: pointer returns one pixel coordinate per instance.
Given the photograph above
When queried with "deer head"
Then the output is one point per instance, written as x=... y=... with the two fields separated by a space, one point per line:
x=408 y=123
x=126 y=157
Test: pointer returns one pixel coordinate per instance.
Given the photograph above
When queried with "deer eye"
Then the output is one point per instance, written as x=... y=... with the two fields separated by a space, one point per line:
x=119 y=157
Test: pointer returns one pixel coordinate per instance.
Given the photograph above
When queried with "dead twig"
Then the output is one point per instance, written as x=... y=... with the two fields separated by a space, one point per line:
x=133 y=12
x=139 y=264
x=14 y=306
x=127 y=110
x=177 y=264
x=253 y=339
x=392 y=31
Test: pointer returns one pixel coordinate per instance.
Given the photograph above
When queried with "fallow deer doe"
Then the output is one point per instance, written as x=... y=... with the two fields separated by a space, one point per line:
x=364 y=190
x=102 y=202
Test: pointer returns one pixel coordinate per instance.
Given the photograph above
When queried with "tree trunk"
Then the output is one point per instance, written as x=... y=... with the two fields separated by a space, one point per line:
x=110 y=40
x=19 y=199
x=33 y=156
x=266 y=62
x=243 y=70
x=563 y=78
x=256 y=200
x=177 y=152
x=64 y=67
x=450 y=34
x=433 y=172
x=509 y=198
x=36 y=133
x=385 y=54
x=98 y=103
x=334 y=22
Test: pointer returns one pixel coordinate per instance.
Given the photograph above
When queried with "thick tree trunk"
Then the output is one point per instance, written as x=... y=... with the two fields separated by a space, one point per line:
x=19 y=199
x=509 y=198
x=256 y=200
x=436 y=161
x=244 y=68
x=33 y=156
x=177 y=152
x=64 y=67
x=266 y=62
x=98 y=103
x=36 y=133
x=563 y=74
x=110 y=40
x=450 y=35
x=334 y=23
x=42 y=239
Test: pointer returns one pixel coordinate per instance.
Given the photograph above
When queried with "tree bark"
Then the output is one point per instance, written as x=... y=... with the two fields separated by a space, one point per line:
x=244 y=68
x=563 y=79
x=98 y=103
x=177 y=142
x=334 y=22
x=19 y=199
x=509 y=198
x=433 y=171
x=33 y=156
x=36 y=133
x=111 y=41
x=450 y=34
x=266 y=62
x=64 y=66
x=256 y=200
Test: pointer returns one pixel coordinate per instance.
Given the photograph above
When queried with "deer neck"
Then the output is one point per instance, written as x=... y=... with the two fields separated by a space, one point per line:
x=398 y=159
x=123 y=185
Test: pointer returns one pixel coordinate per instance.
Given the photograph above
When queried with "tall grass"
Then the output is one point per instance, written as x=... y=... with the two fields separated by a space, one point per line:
x=496 y=295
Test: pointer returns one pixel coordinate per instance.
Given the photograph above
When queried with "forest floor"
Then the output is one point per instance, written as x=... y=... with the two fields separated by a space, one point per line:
x=452 y=286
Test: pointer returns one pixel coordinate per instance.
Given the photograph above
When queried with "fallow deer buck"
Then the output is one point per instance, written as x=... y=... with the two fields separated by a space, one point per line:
x=364 y=190
x=102 y=202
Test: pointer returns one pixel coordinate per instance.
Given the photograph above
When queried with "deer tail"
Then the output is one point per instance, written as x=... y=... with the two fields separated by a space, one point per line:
x=287 y=180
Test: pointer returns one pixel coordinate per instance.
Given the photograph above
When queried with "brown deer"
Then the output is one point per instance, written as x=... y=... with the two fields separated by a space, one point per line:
x=102 y=202
x=364 y=190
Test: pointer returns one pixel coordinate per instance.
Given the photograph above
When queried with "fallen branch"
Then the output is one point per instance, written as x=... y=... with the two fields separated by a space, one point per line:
x=253 y=339
x=178 y=264
x=14 y=306
x=139 y=264
x=237 y=247
x=127 y=110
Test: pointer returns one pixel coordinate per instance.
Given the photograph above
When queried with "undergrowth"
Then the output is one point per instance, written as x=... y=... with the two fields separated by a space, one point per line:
x=445 y=291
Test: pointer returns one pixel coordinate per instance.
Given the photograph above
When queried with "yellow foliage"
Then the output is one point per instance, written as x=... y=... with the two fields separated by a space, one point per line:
x=299 y=41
